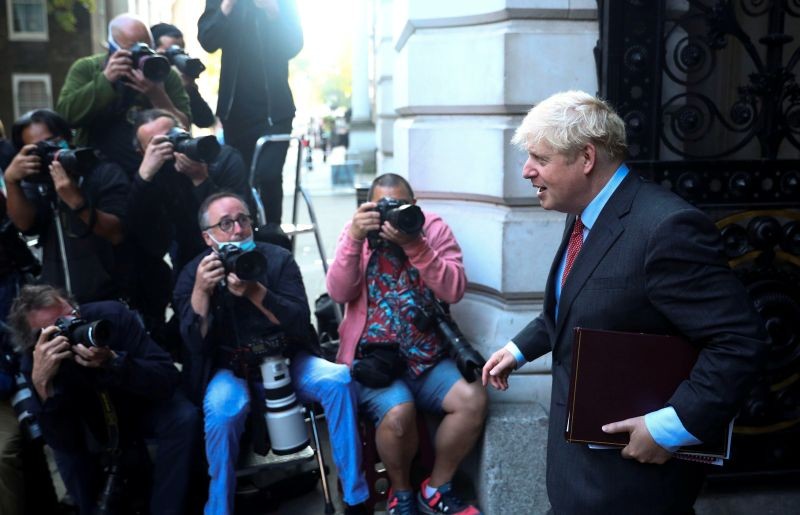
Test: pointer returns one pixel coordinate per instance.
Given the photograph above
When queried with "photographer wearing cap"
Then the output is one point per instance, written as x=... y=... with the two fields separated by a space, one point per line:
x=93 y=366
x=225 y=319
x=389 y=269
x=53 y=189
x=103 y=92
x=169 y=41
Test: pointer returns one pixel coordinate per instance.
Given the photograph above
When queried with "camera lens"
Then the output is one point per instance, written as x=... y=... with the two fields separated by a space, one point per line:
x=407 y=218
x=249 y=266
x=154 y=67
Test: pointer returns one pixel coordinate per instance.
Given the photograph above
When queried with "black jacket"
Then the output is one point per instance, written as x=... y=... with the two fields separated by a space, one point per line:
x=142 y=374
x=248 y=36
x=286 y=298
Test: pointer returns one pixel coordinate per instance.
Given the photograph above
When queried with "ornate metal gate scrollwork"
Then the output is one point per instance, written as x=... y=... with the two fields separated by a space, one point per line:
x=710 y=94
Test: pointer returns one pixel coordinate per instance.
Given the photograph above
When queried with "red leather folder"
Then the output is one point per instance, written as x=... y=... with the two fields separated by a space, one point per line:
x=619 y=375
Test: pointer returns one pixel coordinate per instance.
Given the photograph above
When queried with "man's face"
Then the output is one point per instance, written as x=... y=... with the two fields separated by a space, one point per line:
x=158 y=127
x=45 y=317
x=226 y=208
x=36 y=132
x=561 y=182
x=165 y=42
x=395 y=192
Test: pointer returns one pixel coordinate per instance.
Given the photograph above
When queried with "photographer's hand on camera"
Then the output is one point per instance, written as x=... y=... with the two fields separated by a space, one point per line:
x=23 y=165
x=65 y=187
x=47 y=357
x=119 y=65
x=365 y=219
x=389 y=233
x=158 y=152
x=197 y=171
x=93 y=357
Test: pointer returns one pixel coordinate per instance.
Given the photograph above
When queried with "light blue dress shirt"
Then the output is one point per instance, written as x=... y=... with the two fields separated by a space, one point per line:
x=664 y=425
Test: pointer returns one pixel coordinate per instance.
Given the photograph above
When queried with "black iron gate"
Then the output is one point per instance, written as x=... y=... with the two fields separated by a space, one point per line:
x=711 y=101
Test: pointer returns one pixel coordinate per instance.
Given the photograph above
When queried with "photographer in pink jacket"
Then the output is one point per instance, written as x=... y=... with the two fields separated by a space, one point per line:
x=393 y=265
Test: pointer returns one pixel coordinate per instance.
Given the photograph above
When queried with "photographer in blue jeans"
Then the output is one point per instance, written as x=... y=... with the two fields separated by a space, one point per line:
x=222 y=316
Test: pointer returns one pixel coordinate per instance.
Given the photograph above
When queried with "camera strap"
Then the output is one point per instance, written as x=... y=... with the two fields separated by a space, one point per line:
x=111 y=419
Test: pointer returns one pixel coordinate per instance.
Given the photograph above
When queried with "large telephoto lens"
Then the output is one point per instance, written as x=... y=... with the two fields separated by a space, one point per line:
x=285 y=421
x=190 y=66
x=155 y=67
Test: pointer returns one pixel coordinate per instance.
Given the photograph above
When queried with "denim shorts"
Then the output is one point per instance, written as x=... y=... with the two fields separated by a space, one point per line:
x=426 y=391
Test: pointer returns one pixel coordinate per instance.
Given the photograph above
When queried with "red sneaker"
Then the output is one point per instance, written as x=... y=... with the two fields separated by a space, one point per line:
x=443 y=501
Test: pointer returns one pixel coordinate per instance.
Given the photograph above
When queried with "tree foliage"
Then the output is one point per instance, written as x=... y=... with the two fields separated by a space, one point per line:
x=64 y=11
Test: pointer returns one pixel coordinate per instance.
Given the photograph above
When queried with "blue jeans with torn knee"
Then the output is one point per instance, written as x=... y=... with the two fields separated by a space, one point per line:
x=227 y=403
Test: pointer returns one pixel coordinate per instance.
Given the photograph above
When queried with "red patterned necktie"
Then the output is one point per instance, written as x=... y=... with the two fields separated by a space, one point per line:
x=573 y=247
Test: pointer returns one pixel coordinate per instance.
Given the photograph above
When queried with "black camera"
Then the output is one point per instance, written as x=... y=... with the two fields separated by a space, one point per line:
x=153 y=65
x=404 y=216
x=24 y=406
x=190 y=66
x=379 y=365
x=78 y=330
x=247 y=265
x=469 y=361
x=204 y=148
x=76 y=161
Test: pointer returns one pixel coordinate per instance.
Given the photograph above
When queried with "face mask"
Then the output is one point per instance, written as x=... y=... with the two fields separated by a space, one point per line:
x=245 y=245
x=112 y=45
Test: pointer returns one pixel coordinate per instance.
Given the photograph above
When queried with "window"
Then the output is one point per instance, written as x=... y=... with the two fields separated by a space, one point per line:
x=31 y=91
x=27 y=20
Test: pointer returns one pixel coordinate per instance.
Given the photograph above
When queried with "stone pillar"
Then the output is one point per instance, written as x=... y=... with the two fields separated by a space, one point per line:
x=384 y=71
x=466 y=72
x=362 y=129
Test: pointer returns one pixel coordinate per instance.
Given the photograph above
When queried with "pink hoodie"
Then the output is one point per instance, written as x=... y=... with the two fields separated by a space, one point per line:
x=436 y=255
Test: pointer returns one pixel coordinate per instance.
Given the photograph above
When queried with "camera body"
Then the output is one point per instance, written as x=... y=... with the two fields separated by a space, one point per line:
x=189 y=66
x=204 y=148
x=248 y=265
x=153 y=65
x=79 y=330
x=76 y=161
x=468 y=360
x=404 y=216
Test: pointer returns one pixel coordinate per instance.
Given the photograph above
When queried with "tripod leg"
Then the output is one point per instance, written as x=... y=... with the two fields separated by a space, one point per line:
x=320 y=462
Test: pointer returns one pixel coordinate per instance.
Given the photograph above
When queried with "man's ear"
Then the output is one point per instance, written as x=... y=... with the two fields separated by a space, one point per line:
x=207 y=239
x=588 y=156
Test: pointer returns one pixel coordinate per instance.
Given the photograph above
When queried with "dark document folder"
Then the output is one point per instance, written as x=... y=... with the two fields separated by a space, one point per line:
x=618 y=375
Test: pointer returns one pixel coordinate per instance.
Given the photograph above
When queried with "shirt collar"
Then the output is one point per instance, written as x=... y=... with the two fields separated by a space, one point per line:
x=592 y=211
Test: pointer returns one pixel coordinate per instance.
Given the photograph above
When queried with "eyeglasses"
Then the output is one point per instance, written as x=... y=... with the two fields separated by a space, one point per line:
x=226 y=224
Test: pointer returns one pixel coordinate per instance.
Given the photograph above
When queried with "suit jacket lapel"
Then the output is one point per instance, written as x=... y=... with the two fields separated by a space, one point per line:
x=606 y=230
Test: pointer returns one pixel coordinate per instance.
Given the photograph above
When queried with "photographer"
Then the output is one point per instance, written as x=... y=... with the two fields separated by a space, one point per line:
x=170 y=185
x=223 y=319
x=258 y=38
x=103 y=92
x=387 y=278
x=74 y=372
x=166 y=37
x=90 y=202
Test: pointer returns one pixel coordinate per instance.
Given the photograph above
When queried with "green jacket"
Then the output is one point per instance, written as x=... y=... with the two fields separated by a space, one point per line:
x=87 y=93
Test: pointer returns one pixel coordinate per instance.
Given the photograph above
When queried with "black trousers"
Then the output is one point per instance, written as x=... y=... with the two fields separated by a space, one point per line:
x=242 y=135
x=174 y=425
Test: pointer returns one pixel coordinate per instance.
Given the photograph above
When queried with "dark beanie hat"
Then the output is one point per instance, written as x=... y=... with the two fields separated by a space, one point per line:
x=165 y=29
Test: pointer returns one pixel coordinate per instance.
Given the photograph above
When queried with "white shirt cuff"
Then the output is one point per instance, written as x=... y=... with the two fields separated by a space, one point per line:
x=667 y=430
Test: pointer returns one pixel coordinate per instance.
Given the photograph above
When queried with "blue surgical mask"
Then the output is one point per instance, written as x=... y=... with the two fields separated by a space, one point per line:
x=245 y=245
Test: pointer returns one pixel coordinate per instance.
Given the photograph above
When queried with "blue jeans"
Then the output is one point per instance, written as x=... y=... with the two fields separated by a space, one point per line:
x=227 y=403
